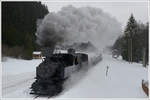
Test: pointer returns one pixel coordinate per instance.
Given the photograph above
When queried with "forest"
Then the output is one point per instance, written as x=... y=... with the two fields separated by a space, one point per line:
x=19 y=22
x=133 y=44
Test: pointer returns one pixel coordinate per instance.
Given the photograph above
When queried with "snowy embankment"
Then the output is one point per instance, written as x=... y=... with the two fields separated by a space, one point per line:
x=123 y=79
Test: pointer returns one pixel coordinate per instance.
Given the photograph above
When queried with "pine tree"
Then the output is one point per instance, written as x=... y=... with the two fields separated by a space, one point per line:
x=19 y=26
x=129 y=32
x=133 y=44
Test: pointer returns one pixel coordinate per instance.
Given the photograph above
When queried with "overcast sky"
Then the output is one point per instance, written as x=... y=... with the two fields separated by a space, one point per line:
x=119 y=9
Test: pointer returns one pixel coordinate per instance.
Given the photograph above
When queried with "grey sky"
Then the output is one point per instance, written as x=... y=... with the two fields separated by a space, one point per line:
x=120 y=10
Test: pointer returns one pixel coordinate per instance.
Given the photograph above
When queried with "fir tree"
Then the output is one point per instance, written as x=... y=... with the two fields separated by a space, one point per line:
x=133 y=45
x=129 y=32
x=19 y=26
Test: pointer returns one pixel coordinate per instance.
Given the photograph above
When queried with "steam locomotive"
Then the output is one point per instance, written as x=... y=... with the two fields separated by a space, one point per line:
x=54 y=70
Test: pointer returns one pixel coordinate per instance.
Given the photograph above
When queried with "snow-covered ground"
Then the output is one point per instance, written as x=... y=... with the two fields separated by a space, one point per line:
x=17 y=77
x=123 y=79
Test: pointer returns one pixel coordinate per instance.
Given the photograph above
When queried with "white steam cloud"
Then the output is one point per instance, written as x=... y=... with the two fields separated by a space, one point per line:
x=78 y=25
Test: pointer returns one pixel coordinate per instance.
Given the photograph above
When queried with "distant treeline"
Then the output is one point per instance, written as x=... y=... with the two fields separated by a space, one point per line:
x=19 y=27
x=133 y=44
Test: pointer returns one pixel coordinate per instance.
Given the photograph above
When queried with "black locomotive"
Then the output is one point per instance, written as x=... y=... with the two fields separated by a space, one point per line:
x=54 y=70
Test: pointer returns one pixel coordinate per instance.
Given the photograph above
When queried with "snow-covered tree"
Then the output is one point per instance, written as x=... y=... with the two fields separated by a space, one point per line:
x=130 y=31
x=133 y=44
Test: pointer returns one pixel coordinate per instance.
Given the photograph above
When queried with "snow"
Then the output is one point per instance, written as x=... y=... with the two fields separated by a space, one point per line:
x=36 y=52
x=17 y=66
x=18 y=75
x=123 y=79
x=145 y=83
x=60 y=51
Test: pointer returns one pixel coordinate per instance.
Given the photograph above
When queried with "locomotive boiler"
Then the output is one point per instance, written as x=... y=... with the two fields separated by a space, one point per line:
x=55 y=69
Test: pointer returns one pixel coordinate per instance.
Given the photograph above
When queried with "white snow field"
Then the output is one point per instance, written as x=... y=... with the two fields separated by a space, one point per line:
x=123 y=80
x=17 y=77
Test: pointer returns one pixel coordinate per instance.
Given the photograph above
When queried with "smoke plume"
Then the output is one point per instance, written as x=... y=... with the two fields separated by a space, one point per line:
x=78 y=25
